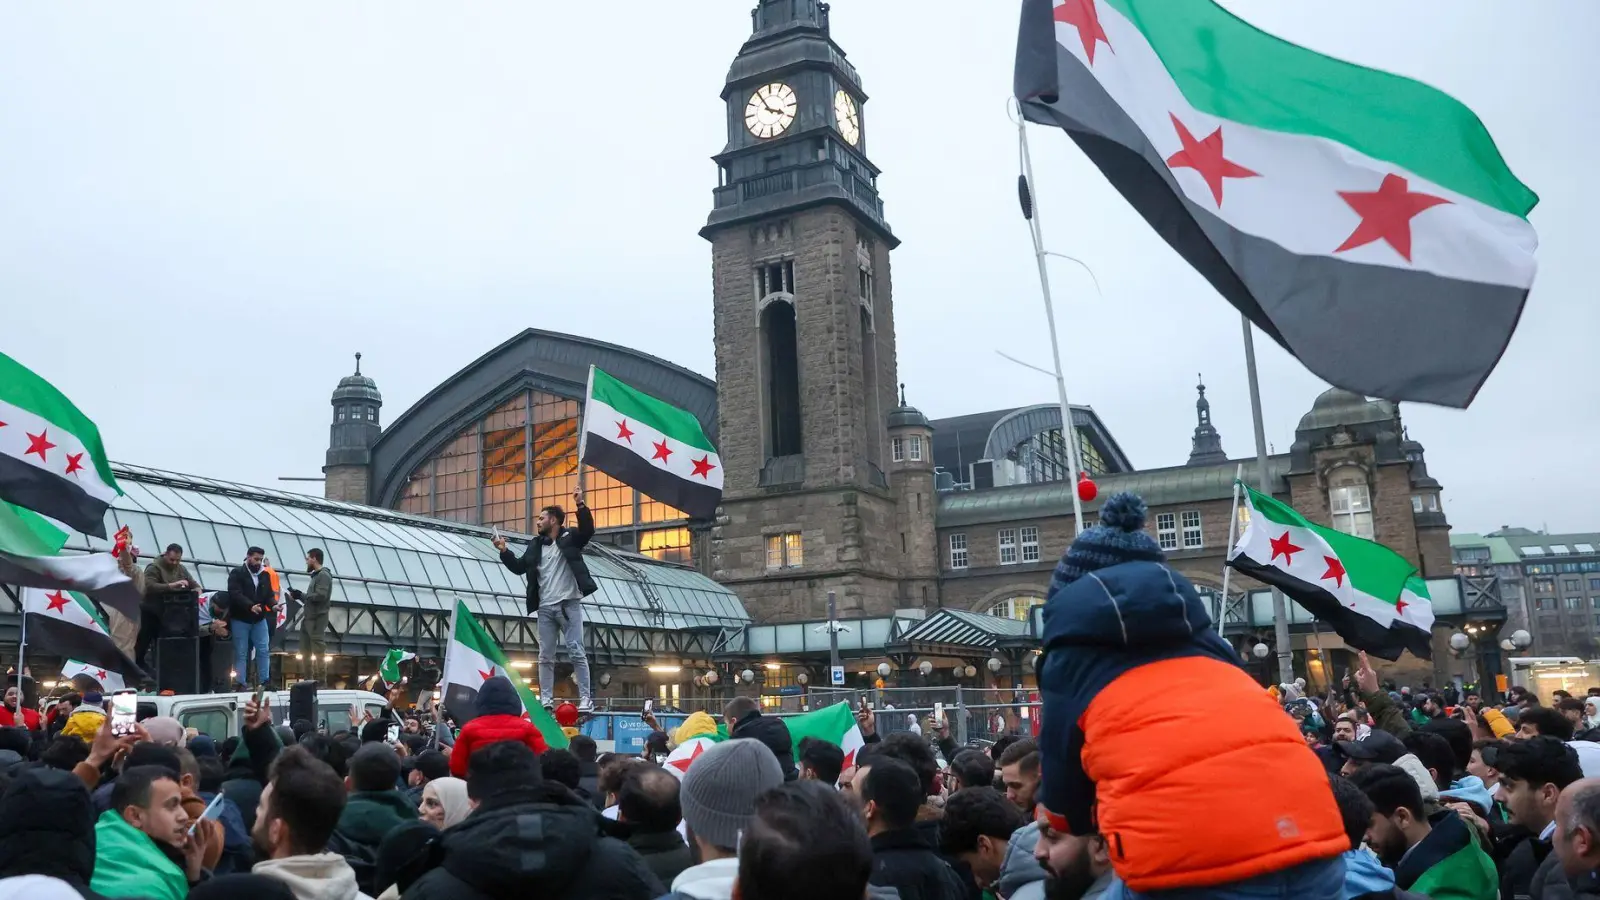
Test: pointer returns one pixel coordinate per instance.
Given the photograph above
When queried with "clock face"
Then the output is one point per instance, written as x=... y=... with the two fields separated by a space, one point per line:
x=770 y=110
x=844 y=112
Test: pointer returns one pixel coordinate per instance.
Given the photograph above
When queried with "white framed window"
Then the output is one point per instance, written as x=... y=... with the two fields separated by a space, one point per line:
x=1167 y=531
x=1192 y=537
x=1433 y=503
x=1008 y=546
x=785 y=551
x=916 y=448
x=1416 y=503
x=958 y=551
x=1350 y=502
x=897 y=449
x=1015 y=607
x=1030 y=543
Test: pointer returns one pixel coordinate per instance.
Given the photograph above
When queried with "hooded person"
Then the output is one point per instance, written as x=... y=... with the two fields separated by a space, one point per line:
x=1120 y=627
x=47 y=829
x=85 y=721
x=499 y=719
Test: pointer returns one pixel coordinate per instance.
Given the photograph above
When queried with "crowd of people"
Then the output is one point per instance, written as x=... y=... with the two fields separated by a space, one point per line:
x=1130 y=790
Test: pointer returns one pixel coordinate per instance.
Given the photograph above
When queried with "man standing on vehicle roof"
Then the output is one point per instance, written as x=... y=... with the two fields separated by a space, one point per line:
x=557 y=583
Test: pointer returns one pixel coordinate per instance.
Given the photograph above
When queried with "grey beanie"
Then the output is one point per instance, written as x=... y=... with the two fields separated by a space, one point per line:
x=719 y=791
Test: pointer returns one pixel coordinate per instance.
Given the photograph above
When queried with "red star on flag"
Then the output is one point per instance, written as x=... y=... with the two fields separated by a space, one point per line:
x=1401 y=604
x=74 y=463
x=1282 y=547
x=1386 y=214
x=58 y=602
x=100 y=675
x=703 y=467
x=661 y=450
x=1206 y=158
x=487 y=675
x=624 y=433
x=682 y=765
x=1082 y=15
x=39 y=443
x=1335 y=570
x=849 y=760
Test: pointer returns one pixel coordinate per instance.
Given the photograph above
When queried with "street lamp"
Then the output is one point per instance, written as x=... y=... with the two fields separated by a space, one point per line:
x=1521 y=639
x=972 y=671
x=711 y=676
x=995 y=665
x=883 y=670
x=1459 y=642
x=1507 y=646
x=926 y=668
x=958 y=670
x=1260 y=650
x=747 y=676
x=803 y=679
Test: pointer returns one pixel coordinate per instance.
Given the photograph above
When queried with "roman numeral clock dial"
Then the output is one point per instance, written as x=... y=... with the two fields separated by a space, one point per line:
x=770 y=111
x=844 y=112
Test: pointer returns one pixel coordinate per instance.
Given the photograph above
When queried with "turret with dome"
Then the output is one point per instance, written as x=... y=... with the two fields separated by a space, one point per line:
x=355 y=429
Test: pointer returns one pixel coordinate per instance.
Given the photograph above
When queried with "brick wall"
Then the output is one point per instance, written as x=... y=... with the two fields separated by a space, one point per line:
x=345 y=483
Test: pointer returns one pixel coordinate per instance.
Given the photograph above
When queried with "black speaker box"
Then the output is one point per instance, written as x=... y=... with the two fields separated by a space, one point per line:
x=178 y=665
x=303 y=702
x=180 y=615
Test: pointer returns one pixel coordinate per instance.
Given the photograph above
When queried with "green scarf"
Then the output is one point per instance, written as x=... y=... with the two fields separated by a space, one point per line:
x=127 y=863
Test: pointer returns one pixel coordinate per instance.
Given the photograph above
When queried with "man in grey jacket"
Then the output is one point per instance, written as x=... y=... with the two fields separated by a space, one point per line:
x=315 y=600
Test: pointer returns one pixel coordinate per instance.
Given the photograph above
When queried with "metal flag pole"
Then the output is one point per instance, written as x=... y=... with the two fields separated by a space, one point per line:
x=22 y=639
x=1069 y=433
x=1280 y=615
x=1233 y=537
x=583 y=427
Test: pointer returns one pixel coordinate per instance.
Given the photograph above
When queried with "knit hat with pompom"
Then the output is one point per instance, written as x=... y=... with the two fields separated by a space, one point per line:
x=1119 y=538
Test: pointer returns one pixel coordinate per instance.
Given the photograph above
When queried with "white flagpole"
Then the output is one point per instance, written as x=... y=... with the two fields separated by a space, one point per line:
x=1280 y=613
x=583 y=424
x=1069 y=434
x=1233 y=532
x=444 y=676
x=22 y=640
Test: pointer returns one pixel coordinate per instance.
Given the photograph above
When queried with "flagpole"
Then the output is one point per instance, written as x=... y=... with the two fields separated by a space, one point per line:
x=444 y=675
x=22 y=639
x=1233 y=532
x=1280 y=615
x=583 y=424
x=1069 y=433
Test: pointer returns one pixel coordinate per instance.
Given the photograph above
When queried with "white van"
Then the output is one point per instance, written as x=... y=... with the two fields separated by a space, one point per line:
x=219 y=715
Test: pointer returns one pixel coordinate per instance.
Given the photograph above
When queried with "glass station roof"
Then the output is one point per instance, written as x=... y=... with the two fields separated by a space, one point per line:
x=385 y=558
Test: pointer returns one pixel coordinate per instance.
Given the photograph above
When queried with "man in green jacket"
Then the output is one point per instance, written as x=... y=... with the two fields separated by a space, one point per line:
x=1438 y=856
x=375 y=807
x=142 y=843
x=315 y=600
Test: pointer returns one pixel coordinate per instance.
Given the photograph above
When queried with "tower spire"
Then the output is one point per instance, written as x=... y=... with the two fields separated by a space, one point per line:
x=1207 y=447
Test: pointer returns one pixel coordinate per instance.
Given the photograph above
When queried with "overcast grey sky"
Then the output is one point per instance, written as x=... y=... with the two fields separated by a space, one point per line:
x=205 y=209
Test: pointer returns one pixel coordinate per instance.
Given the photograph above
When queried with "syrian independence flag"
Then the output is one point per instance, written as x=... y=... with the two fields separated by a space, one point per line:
x=835 y=724
x=650 y=445
x=389 y=670
x=1367 y=222
x=107 y=679
x=29 y=544
x=1370 y=594
x=473 y=658
x=51 y=459
x=66 y=624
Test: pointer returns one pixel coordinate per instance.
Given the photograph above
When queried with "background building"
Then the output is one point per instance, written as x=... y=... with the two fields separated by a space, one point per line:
x=1550 y=581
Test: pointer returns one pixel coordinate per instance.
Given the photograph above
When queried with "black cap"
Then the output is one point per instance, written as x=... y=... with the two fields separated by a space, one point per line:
x=1378 y=746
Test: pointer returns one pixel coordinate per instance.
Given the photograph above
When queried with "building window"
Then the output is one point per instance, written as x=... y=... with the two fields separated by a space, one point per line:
x=1574 y=603
x=1167 y=530
x=774 y=278
x=341 y=414
x=958 y=551
x=1018 y=608
x=898 y=448
x=1544 y=585
x=864 y=286
x=1546 y=603
x=916 y=448
x=1192 y=539
x=1030 y=544
x=1008 y=546
x=785 y=551
x=667 y=545
x=1572 y=585
x=1351 y=505
x=1594 y=584
x=780 y=376
x=1416 y=503
x=1433 y=503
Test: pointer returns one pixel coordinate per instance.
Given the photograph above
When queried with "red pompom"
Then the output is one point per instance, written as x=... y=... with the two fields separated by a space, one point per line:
x=566 y=715
x=1086 y=488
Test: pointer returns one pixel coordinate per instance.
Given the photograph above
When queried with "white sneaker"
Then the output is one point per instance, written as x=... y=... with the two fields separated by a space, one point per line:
x=547 y=703
x=586 y=704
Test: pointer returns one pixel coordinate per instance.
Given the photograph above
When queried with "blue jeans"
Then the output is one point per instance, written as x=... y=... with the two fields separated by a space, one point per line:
x=561 y=624
x=1319 y=880
x=245 y=637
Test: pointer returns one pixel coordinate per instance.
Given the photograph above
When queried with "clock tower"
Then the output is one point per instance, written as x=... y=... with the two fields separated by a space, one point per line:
x=804 y=320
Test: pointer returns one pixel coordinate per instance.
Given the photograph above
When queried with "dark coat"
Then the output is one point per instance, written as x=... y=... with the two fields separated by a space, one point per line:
x=905 y=861
x=663 y=851
x=535 y=842
x=368 y=816
x=1516 y=873
x=589 y=786
x=1550 y=882
x=47 y=828
x=571 y=541
x=774 y=734
x=242 y=595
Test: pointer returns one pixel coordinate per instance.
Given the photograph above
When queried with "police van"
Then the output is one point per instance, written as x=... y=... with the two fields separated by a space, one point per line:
x=221 y=715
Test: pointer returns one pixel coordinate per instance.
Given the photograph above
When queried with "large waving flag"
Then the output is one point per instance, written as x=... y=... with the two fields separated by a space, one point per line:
x=51 y=458
x=475 y=657
x=650 y=445
x=107 y=680
x=29 y=543
x=65 y=623
x=1370 y=594
x=835 y=724
x=389 y=669
x=1366 y=221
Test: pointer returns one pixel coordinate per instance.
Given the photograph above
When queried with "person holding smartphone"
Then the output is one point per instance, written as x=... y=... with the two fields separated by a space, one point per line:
x=558 y=580
x=249 y=607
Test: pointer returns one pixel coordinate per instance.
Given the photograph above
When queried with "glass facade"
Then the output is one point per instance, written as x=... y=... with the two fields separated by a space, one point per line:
x=522 y=457
x=390 y=563
x=1044 y=455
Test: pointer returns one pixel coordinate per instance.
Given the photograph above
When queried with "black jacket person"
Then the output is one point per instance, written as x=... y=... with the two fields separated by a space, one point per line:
x=570 y=541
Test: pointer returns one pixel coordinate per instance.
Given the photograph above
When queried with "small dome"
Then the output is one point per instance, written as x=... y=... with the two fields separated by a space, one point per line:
x=906 y=416
x=1337 y=406
x=357 y=386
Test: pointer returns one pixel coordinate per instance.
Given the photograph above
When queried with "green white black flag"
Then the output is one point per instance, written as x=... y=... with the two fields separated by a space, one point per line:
x=650 y=445
x=51 y=458
x=475 y=657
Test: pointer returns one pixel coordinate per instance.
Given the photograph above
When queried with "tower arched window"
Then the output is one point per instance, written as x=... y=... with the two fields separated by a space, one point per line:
x=339 y=414
x=780 y=378
x=1350 y=502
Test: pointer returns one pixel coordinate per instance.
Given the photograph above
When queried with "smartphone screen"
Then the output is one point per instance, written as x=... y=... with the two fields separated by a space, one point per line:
x=124 y=712
x=649 y=706
x=394 y=733
x=938 y=712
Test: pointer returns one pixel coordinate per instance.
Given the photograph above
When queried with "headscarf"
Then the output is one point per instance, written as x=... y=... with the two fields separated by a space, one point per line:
x=452 y=795
x=1591 y=712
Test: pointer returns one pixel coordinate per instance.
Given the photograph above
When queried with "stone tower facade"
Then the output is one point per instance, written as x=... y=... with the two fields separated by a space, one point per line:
x=804 y=332
x=356 y=427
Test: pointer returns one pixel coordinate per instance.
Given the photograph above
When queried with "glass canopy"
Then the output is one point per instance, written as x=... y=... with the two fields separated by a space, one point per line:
x=386 y=559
